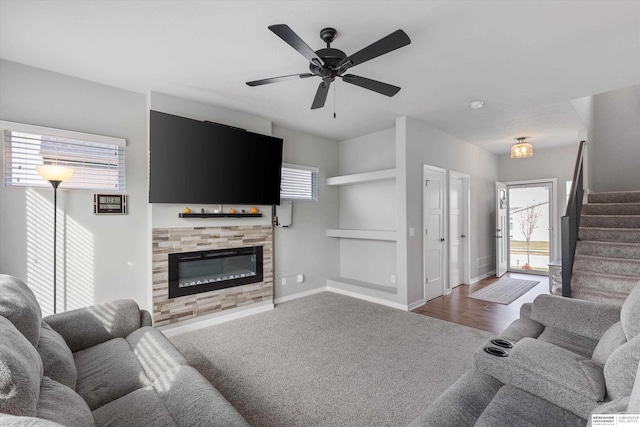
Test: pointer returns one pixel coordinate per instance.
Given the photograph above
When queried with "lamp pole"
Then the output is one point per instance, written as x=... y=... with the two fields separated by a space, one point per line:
x=55 y=175
x=55 y=185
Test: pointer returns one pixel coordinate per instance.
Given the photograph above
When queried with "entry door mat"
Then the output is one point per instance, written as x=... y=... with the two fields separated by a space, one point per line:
x=504 y=291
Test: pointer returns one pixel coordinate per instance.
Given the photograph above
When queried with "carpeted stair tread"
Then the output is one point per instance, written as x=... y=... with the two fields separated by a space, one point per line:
x=610 y=221
x=611 y=209
x=615 y=197
x=607 y=288
x=608 y=249
x=623 y=235
x=617 y=266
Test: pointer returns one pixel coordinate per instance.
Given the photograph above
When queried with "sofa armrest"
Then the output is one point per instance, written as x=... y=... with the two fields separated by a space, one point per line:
x=525 y=310
x=89 y=326
x=145 y=318
x=585 y=318
x=559 y=376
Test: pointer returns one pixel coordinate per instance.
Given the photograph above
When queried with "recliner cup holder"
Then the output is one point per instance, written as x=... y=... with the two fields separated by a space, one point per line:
x=496 y=351
x=502 y=343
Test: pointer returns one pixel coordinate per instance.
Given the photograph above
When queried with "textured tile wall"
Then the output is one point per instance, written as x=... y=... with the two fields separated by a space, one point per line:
x=177 y=240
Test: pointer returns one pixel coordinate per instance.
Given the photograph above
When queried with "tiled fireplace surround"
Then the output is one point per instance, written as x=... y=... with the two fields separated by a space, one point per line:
x=174 y=240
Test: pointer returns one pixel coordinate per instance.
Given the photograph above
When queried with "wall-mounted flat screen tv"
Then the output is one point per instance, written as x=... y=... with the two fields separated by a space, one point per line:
x=196 y=162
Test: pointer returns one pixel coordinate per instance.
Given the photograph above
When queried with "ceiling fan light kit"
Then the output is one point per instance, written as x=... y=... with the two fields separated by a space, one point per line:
x=329 y=63
x=521 y=149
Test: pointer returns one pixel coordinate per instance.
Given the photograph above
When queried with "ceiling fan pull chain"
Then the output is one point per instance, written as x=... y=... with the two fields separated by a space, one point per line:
x=334 y=100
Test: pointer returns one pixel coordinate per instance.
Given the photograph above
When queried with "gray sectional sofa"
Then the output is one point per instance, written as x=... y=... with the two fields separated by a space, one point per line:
x=100 y=365
x=570 y=359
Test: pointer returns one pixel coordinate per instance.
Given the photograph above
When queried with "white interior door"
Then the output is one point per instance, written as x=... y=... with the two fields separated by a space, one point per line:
x=502 y=230
x=458 y=234
x=434 y=231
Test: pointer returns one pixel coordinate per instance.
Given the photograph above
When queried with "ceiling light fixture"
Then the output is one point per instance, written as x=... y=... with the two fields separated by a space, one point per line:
x=476 y=104
x=521 y=149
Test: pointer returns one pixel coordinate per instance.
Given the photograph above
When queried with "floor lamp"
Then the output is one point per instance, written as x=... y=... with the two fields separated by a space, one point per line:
x=55 y=175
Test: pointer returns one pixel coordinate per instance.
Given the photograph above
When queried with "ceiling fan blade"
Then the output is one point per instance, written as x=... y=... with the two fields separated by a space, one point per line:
x=374 y=85
x=292 y=39
x=393 y=41
x=279 y=79
x=321 y=95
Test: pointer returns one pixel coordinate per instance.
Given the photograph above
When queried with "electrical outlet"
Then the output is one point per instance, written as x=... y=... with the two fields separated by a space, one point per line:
x=283 y=281
x=393 y=279
x=412 y=231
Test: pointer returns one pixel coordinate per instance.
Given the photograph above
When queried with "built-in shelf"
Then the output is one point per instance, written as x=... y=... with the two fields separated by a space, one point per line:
x=368 y=285
x=387 y=235
x=362 y=178
x=219 y=215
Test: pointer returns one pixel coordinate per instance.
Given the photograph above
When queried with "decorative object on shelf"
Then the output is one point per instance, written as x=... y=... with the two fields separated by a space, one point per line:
x=109 y=204
x=253 y=210
x=232 y=211
x=521 y=149
x=216 y=211
x=186 y=210
x=55 y=175
x=202 y=210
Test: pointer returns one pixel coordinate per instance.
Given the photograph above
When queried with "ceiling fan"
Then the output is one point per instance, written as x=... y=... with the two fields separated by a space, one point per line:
x=329 y=63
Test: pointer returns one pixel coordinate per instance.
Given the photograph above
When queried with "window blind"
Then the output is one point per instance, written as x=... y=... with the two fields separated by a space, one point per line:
x=98 y=163
x=299 y=182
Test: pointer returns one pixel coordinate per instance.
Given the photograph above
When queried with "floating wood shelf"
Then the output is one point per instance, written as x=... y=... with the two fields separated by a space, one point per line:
x=386 y=235
x=363 y=178
x=219 y=215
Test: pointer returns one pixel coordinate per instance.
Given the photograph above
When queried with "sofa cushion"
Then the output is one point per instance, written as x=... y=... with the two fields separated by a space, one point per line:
x=20 y=372
x=154 y=351
x=20 y=306
x=57 y=359
x=621 y=368
x=630 y=313
x=60 y=404
x=573 y=342
x=107 y=372
x=610 y=341
x=512 y=406
x=141 y=407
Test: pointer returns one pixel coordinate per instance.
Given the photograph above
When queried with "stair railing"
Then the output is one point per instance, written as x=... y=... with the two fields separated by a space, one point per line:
x=570 y=222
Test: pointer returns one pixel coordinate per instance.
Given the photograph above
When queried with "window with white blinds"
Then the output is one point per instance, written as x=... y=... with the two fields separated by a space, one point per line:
x=299 y=182
x=97 y=161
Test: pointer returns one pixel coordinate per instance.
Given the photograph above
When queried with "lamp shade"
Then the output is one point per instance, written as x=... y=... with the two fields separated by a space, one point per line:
x=54 y=172
x=521 y=149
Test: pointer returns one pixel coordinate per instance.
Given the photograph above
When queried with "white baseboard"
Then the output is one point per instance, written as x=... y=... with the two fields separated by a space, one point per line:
x=483 y=276
x=214 y=319
x=368 y=298
x=299 y=295
x=417 y=304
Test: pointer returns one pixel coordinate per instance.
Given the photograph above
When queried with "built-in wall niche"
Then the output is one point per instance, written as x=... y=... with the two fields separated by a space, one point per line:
x=367 y=230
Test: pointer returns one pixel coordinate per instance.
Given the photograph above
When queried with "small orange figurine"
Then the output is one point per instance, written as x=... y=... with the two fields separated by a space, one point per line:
x=186 y=210
x=253 y=210
x=232 y=211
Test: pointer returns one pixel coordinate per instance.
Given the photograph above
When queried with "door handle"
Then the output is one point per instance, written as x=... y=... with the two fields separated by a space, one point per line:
x=462 y=236
x=442 y=239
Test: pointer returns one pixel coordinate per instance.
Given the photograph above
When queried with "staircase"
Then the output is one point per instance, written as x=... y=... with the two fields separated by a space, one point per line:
x=607 y=257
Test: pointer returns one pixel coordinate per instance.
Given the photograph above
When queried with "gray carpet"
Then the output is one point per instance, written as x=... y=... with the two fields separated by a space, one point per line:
x=331 y=360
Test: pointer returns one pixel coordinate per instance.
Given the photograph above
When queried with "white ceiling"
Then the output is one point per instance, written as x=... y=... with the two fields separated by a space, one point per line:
x=526 y=59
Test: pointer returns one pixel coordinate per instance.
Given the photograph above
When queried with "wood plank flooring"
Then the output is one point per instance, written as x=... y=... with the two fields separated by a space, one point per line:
x=488 y=316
